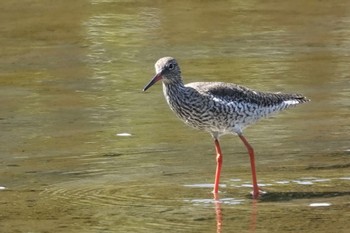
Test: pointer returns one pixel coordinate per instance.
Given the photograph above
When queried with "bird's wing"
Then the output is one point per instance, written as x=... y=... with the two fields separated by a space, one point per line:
x=233 y=92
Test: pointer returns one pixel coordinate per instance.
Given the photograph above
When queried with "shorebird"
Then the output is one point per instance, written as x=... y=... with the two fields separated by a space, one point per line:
x=219 y=108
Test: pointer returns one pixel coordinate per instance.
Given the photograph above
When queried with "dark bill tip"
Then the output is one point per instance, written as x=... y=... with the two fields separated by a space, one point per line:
x=155 y=79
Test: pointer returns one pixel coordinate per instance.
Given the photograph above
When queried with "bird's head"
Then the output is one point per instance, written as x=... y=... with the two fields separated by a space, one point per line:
x=167 y=70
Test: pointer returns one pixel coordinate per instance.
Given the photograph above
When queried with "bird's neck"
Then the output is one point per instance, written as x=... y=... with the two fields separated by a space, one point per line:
x=174 y=87
x=175 y=94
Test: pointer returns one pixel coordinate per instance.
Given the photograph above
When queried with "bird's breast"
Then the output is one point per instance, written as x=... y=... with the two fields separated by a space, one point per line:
x=204 y=112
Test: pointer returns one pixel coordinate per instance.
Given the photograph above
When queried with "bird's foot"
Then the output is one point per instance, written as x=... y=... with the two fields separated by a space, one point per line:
x=257 y=194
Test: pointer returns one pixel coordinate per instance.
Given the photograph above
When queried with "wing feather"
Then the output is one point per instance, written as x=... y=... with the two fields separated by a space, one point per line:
x=233 y=92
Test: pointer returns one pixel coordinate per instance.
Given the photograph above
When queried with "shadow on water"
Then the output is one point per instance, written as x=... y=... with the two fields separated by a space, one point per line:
x=288 y=196
x=269 y=197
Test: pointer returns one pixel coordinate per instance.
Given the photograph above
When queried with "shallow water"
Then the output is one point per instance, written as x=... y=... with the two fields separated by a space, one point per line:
x=85 y=150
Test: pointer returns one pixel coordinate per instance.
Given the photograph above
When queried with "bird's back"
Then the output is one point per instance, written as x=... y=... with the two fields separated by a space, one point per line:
x=236 y=93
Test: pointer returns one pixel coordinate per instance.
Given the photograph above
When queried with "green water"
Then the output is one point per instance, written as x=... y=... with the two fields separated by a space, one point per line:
x=85 y=150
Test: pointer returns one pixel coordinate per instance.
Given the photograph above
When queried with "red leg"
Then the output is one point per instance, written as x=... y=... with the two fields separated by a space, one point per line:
x=218 y=166
x=252 y=165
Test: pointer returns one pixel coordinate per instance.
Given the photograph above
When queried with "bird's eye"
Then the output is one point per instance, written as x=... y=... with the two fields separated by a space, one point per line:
x=171 y=66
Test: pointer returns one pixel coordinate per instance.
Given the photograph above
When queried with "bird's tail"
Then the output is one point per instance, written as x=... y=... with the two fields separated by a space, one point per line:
x=293 y=99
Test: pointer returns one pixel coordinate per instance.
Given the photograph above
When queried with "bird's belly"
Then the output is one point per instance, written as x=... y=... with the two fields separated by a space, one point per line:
x=217 y=117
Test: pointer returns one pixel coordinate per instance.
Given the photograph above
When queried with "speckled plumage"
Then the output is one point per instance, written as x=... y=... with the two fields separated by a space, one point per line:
x=219 y=108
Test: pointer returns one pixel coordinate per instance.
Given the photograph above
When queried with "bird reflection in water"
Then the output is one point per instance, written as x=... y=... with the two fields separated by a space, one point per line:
x=219 y=215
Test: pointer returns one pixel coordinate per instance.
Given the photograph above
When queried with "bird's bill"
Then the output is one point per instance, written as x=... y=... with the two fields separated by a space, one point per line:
x=155 y=79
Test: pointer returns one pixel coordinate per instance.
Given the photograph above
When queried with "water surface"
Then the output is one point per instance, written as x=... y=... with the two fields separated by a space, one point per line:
x=85 y=150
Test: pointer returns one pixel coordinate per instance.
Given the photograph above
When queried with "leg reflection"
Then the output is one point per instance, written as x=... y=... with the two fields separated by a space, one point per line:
x=219 y=217
x=218 y=213
x=253 y=216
